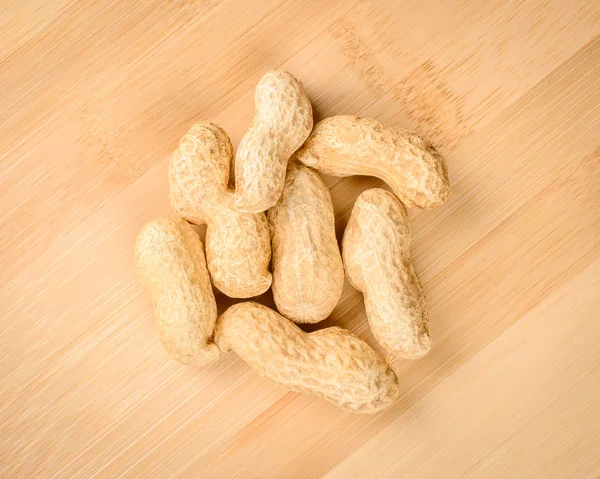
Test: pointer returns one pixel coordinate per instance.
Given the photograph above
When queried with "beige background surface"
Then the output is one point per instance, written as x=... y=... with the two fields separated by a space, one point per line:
x=94 y=96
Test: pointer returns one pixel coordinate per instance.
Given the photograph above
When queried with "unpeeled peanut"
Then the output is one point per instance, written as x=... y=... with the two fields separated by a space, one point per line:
x=308 y=275
x=349 y=145
x=331 y=363
x=238 y=245
x=376 y=253
x=282 y=121
x=170 y=261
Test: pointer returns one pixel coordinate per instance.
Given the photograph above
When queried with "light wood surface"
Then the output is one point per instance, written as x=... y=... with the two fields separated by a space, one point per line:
x=95 y=95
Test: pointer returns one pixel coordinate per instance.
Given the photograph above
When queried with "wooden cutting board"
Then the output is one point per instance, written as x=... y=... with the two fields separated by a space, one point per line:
x=94 y=97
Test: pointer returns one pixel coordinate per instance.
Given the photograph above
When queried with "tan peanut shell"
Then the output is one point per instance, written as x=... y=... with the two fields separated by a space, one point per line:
x=331 y=363
x=282 y=121
x=170 y=262
x=376 y=252
x=238 y=245
x=349 y=145
x=308 y=275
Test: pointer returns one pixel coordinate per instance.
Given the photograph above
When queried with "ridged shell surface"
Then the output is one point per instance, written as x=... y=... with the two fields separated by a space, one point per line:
x=282 y=121
x=349 y=145
x=171 y=265
x=308 y=274
x=331 y=363
x=238 y=245
x=376 y=253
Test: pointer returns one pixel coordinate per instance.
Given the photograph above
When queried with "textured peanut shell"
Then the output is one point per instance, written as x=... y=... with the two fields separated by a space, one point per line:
x=170 y=261
x=349 y=145
x=376 y=252
x=238 y=245
x=331 y=363
x=308 y=275
x=282 y=121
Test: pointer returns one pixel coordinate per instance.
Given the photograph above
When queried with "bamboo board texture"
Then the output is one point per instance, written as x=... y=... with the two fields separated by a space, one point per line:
x=94 y=97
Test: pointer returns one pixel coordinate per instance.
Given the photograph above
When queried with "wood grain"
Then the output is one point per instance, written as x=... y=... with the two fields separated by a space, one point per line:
x=93 y=98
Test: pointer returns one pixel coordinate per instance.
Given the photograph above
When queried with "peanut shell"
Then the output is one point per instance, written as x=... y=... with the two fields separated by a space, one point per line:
x=376 y=253
x=282 y=121
x=331 y=363
x=170 y=261
x=349 y=145
x=308 y=274
x=238 y=245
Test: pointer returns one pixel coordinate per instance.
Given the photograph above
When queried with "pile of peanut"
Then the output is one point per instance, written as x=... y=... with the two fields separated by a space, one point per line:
x=280 y=215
